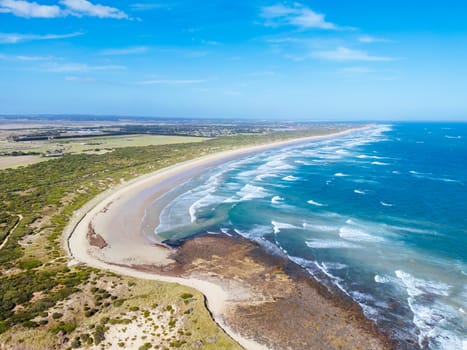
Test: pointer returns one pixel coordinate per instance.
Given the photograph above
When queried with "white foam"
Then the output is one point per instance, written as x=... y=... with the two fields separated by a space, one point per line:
x=302 y=162
x=248 y=192
x=418 y=286
x=329 y=244
x=273 y=165
x=359 y=192
x=225 y=231
x=383 y=279
x=321 y=228
x=334 y=266
x=261 y=177
x=290 y=178
x=364 y=156
x=413 y=172
x=271 y=247
x=414 y=230
x=384 y=204
x=430 y=315
x=340 y=175
x=278 y=226
x=312 y=202
x=276 y=200
x=203 y=202
x=428 y=177
x=379 y=163
x=356 y=235
x=452 y=137
x=257 y=231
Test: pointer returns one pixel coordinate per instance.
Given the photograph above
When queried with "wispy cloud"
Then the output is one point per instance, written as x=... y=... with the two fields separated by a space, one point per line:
x=27 y=58
x=133 y=50
x=81 y=79
x=150 y=6
x=78 y=8
x=13 y=38
x=80 y=67
x=85 y=8
x=345 y=54
x=210 y=42
x=295 y=15
x=368 y=39
x=27 y=9
x=171 y=81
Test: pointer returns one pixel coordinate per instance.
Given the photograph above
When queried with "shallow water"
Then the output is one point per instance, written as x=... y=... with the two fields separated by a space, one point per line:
x=379 y=214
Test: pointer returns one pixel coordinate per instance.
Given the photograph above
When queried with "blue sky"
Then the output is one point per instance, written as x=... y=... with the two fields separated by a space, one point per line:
x=313 y=60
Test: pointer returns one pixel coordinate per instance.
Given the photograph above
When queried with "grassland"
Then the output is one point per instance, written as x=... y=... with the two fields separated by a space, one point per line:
x=14 y=162
x=44 y=303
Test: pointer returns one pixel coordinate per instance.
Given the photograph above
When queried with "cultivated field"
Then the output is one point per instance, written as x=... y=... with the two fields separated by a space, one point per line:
x=94 y=145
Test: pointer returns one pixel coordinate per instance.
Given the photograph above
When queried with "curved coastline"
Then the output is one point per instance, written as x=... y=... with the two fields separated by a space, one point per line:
x=122 y=243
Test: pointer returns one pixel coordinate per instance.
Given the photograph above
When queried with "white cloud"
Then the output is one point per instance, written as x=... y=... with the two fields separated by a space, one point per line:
x=368 y=39
x=80 y=67
x=284 y=40
x=34 y=58
x=27 y=58
x=13 y=38
x=171 y=81
x=82 y=79
x=134 y=50
x=150 y=6
x=296 y=15
x=78 y=8
x=346 y=54
x=27 y=9
x=210 y=42
x=85 y=8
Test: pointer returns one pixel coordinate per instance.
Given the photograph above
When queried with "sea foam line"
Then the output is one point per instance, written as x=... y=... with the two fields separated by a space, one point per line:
x=317 y=204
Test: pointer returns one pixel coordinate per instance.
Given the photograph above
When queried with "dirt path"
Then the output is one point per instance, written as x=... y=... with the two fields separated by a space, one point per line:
x=5 y=241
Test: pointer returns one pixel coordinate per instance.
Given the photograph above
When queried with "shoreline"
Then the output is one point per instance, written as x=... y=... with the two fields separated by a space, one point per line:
x=119 y=240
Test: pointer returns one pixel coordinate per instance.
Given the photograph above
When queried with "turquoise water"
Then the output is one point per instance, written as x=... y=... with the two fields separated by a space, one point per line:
x=380 y=214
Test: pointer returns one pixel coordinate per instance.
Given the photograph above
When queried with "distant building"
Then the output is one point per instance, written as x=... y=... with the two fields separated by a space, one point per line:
x=54 y=154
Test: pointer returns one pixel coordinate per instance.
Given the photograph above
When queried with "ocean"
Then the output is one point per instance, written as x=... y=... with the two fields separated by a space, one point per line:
x=380 y=214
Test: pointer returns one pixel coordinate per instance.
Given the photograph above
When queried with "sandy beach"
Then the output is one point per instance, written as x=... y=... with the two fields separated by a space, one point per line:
x=106 y=233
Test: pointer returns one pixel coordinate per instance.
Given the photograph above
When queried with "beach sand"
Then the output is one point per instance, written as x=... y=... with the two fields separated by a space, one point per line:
x=106 y=233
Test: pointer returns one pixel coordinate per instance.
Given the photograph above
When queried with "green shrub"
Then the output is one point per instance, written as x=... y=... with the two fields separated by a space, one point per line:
x=186 y=296
x=87 y=339
x=65 y=327
x=99 y=334
x=118 y=303
x=29 y=264
x=30 y=324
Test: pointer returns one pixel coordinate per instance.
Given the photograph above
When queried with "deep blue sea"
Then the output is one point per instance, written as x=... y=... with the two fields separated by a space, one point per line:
x=380 y=214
